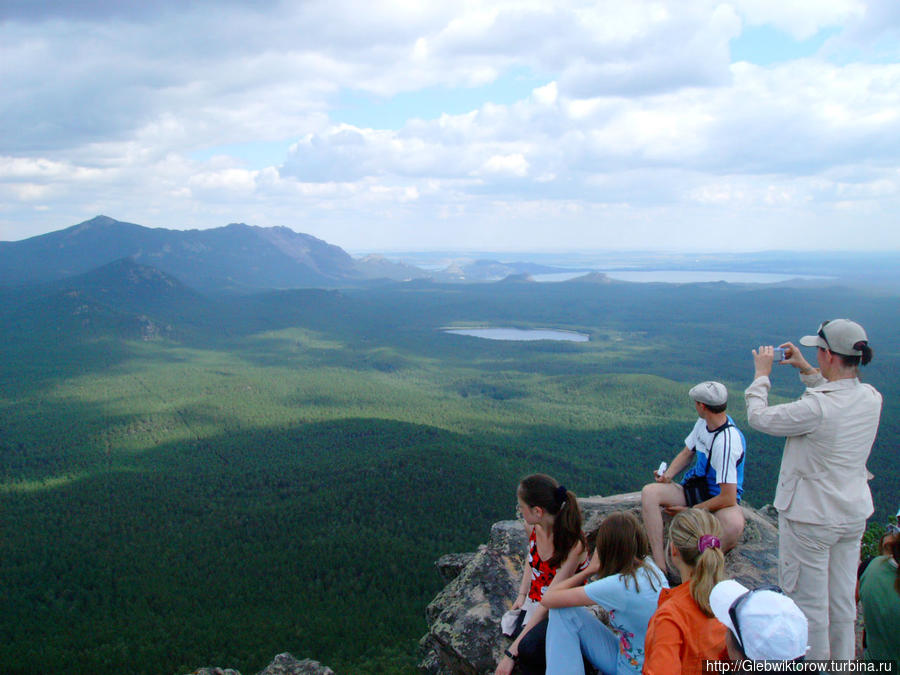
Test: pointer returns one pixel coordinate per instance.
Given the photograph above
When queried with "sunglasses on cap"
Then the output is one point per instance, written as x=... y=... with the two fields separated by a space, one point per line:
x=821 y=333
x=740 y=600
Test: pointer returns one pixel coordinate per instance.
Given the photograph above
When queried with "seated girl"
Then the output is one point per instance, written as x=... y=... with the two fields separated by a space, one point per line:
x=556 y=550
x=879 y=592
x=629 y=590
x=684 y=632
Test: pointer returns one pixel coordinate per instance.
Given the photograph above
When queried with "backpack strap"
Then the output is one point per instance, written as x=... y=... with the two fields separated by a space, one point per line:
x=712 y=445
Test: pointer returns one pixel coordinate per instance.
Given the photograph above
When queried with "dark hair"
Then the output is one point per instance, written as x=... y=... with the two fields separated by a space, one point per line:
x=539 y=489
x=622 y=548
x=854 y=361
x=717 y=408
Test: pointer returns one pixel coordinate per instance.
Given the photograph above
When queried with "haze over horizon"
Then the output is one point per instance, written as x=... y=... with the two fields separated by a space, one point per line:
x=742 y=125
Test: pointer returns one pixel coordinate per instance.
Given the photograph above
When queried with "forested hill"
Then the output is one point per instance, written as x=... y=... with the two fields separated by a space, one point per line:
x=236 y=257
x=191 y=479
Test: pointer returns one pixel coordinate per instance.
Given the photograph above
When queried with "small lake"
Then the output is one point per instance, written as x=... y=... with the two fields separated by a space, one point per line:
x=518 y=334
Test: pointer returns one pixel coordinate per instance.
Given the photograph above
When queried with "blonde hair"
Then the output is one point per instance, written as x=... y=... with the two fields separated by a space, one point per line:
x=708 y=566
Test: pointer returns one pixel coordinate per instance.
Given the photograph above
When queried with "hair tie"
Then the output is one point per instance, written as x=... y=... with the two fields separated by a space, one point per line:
x=559 y=495
x=708 y=541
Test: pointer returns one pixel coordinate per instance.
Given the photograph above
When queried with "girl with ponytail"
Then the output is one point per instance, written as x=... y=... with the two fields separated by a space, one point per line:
x=683 y=632
x=556 y=550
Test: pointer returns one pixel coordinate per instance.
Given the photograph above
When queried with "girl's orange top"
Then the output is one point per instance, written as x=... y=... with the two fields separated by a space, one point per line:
x=680 y=637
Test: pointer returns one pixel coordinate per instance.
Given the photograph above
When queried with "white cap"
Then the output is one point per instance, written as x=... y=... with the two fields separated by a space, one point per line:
x=772 y=626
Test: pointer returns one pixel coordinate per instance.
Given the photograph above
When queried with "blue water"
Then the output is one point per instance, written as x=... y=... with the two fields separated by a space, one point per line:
x=519 y=334
x=689 y=276
x=682 y=276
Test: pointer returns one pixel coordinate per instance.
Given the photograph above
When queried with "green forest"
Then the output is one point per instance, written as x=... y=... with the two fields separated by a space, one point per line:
x=279 y=472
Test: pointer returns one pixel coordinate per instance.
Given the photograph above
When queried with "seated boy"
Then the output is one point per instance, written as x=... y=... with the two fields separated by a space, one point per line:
x=715 y=481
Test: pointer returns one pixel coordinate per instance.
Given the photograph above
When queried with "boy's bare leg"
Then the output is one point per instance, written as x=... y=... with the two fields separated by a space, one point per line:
x=654 y=496
x=731 y=518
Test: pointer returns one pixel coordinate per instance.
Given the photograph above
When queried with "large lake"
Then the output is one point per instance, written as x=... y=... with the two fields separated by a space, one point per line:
x=683 y=276
x=519 y=334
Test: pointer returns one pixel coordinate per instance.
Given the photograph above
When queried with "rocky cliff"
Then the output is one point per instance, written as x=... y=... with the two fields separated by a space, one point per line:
x=463 y=620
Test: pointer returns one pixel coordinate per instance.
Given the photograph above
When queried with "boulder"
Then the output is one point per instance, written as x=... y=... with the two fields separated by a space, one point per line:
x=449 y=566
x=464 y=619
x=283 y=664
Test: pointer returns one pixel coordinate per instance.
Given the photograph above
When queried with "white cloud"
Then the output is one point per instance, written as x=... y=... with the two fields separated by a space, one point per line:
x=24 y=168
x=341 y=154
x=514 y=164
x=636 y=117
x=228 y=180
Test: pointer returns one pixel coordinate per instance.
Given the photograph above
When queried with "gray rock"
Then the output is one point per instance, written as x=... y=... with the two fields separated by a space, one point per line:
x=507 y=537
x=283 y=664
x=464 y=619
x=450 y=565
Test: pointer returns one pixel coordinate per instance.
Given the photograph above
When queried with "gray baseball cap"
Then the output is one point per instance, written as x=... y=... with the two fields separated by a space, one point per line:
x=839 y=336
x=709 y=393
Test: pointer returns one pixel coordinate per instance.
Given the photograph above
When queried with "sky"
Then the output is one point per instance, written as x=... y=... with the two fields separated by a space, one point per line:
x=521 y=125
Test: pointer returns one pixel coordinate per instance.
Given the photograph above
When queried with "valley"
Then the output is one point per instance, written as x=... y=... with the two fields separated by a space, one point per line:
x=278 y=471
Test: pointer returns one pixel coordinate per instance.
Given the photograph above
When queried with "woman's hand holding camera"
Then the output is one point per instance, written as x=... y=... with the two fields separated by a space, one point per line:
x=763 y=359
x=794 y=357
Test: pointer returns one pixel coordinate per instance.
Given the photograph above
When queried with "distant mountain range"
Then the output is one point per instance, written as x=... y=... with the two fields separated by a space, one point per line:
x=237 y=257
x=107 y=277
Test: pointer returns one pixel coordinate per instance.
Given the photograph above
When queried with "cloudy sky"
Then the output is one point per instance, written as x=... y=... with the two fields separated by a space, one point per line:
x=474 y=124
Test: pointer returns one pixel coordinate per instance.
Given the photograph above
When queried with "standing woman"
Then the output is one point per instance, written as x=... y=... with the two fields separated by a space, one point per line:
x=823 y=496
x=556 y=551
x=684 y=633
x=628 y=589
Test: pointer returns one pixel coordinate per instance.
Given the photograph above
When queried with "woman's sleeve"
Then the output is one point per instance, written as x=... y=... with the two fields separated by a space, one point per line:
x=788 y=419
